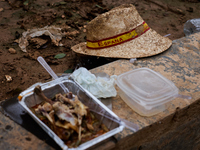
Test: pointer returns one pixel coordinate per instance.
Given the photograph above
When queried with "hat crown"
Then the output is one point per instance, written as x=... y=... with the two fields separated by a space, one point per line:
x=116 y=21
x=121 y=33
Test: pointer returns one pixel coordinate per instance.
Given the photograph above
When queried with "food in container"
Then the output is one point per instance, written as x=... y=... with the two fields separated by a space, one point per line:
x=68 y=117
x=146 y=91
x=28 y=100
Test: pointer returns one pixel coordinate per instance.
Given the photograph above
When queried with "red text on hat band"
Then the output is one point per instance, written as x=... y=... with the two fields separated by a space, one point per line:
x=118 y=39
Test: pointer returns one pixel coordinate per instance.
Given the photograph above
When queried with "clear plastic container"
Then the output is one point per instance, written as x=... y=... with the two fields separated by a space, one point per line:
x=28 y=99
x=146 y=91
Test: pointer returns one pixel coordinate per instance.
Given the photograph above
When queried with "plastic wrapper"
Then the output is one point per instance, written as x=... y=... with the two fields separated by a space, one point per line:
x=101 y=85
x=53 y=32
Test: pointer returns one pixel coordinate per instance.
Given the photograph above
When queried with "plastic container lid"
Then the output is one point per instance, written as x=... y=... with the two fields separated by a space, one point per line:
x=147 y=87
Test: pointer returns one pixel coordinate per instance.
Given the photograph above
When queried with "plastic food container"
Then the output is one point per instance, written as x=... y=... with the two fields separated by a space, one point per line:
x=28 y=99
x=146 y=91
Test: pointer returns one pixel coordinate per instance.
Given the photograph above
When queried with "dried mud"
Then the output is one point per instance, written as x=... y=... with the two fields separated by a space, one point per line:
x=166 y=17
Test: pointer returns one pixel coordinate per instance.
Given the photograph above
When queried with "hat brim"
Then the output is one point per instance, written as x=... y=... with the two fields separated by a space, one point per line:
x=148 y=44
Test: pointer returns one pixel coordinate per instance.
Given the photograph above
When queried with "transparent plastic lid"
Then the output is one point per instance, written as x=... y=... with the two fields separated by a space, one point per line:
x=147 y=87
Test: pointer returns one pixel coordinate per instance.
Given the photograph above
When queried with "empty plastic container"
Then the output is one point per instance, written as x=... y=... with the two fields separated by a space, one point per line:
x=146 y=91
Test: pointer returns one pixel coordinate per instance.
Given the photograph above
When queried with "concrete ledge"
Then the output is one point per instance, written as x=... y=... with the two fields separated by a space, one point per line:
x=179 y=131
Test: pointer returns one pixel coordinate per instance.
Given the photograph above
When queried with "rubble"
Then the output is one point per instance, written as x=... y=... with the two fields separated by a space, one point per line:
x=8 y=78
x=12 y=51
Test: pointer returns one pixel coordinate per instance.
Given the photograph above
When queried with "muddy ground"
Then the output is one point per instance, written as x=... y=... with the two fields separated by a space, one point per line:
x=72 y=16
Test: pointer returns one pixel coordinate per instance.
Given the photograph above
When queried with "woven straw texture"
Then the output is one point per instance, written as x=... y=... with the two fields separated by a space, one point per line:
x=119 y=20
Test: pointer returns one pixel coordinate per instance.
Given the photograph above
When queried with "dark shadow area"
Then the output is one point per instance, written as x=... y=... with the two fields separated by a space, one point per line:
x=91 y=62
x=17 y=113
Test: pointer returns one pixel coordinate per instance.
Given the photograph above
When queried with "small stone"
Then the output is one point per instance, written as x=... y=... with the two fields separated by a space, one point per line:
x=80 y=28
x=63 y=16
x=73 y=33
x=190 y=9
x=84 y=30
x=12 y=51
x=1 y=9
x=8 y=78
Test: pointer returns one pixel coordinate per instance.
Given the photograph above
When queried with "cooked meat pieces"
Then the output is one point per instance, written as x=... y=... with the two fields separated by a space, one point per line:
x=47 y=106
x=38 y=91
x=79 y=107
x=45 y=113
x=64 y=113
x=68 y=117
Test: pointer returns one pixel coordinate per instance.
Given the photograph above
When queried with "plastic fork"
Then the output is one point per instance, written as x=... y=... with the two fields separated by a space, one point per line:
x=51 y=72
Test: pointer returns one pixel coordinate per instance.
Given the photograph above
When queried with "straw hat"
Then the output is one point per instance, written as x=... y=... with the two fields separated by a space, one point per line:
x=121 y=33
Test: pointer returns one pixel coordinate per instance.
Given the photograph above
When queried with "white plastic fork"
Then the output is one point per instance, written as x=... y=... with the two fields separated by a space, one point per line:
x=51 y=72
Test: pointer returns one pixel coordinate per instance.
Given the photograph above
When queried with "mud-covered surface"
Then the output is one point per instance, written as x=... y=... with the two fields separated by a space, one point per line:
x=72 y=16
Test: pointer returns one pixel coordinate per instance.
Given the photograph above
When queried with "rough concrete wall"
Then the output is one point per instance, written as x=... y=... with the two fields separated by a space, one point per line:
x=179 y=131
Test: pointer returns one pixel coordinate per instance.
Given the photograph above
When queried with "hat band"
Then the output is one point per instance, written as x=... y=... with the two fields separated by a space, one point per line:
x=118 y=39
